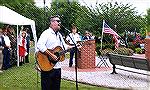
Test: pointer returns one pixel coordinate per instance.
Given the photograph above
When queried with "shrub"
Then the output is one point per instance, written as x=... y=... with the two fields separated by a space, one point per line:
x=131 y=45
x=105 y=51
x=138 y=50
x=123 y=51
x=108 y=45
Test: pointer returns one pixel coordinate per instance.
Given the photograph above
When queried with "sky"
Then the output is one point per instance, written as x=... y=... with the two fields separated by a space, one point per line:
x=141 y=5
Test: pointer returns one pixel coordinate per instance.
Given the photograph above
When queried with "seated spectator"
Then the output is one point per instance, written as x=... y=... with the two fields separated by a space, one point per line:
x=92 y=36
x=87 y=36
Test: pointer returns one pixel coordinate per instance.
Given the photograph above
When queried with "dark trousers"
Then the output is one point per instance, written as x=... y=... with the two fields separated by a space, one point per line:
x=27 y=56
x=6 y=58
x=13 y=56
x=72 y=52
x=50 y=80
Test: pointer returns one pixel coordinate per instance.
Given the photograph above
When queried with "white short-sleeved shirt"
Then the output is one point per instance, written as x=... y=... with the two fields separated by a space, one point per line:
x=7 y=40
x=49 y=40
x=75 y=37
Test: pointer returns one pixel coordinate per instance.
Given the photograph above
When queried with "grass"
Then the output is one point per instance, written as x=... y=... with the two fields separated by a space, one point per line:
x=26 y=78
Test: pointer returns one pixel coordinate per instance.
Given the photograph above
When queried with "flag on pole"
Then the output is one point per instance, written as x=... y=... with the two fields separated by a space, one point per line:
x=108 y=30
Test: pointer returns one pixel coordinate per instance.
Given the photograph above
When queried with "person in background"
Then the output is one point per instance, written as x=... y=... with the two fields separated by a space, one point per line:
x=92 y=36
x=27 y=44
x=2 y=43
x=13 y=43
x=6 y=50
x=75 y=37
x=50 y=39
x=87 y=36
x=22 y=47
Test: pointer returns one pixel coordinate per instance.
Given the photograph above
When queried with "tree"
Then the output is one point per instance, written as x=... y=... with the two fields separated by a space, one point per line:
x=148 y=16
x=68 y=12
x=124 y=16
x=15 y=1
x=85 y=18
x=147 y=28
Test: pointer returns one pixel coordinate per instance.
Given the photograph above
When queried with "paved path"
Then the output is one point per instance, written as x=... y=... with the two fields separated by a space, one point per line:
x=101 y=76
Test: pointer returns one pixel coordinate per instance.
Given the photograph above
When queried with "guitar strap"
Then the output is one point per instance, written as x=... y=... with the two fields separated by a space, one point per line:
x=61 y=41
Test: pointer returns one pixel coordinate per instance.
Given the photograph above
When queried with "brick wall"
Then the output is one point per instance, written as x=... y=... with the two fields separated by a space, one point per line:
x=147 y=48
x=86 y=55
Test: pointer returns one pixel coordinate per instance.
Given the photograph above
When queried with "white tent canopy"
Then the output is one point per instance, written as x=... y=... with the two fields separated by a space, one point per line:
x=8 y=16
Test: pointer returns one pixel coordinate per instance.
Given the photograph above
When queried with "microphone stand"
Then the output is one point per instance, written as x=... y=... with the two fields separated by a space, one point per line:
x=75 y=55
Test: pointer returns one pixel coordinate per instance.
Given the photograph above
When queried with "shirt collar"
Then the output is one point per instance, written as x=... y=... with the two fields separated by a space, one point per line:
x=51 y=30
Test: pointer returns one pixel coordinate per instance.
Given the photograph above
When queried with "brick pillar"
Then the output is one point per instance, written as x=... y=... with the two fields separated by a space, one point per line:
x=147 y=48
x=86 y=55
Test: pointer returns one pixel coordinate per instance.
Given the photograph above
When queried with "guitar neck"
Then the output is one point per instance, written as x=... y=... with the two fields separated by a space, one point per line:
x=64 y=51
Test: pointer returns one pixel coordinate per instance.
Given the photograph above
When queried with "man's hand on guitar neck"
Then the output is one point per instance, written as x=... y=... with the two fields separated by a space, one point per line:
x=53 y=56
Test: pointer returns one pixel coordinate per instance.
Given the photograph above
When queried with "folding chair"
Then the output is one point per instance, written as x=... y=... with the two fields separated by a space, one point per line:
x=102 y=61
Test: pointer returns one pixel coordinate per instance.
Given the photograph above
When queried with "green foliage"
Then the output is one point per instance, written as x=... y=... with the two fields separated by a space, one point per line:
x=148 y=16
x=123 y=51
x=148 y=28
x=105 y=46
x=124 y=16
x=138 y=51
x=131 y=45
x=105 y=51
x=84 y=17
x=108 y=45
x=15 y=1
x=98 y=47
x=69 y=12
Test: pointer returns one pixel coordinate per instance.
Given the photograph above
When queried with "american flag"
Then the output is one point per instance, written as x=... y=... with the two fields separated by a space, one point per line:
x=108 y=30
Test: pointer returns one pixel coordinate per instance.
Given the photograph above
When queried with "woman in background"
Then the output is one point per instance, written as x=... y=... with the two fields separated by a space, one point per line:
x=22 y=47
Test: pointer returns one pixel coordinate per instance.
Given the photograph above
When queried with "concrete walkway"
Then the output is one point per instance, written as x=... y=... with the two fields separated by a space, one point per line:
x=101 y=76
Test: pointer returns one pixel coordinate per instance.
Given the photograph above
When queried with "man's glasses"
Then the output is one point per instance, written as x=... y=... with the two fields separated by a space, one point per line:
x=57 y=21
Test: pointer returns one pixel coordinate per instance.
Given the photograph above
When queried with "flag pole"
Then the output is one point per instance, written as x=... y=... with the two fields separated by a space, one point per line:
x=102 y=33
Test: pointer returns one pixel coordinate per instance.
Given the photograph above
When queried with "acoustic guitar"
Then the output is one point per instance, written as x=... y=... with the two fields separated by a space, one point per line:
x=46 y=63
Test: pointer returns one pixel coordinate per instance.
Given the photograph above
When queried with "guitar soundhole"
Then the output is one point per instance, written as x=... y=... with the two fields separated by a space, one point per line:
x=51 y=60
x=57 y=54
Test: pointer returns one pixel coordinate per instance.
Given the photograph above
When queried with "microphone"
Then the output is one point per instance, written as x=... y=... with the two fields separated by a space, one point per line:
x=65 y=28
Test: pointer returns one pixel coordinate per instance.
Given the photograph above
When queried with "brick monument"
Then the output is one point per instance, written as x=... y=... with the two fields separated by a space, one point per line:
x=86 y=55
x=147 y=48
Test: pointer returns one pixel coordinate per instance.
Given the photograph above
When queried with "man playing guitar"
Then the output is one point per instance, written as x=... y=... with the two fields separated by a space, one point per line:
x=49 y=39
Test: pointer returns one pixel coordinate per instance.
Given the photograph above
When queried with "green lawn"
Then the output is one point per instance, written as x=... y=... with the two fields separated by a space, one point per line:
x=26 y=78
